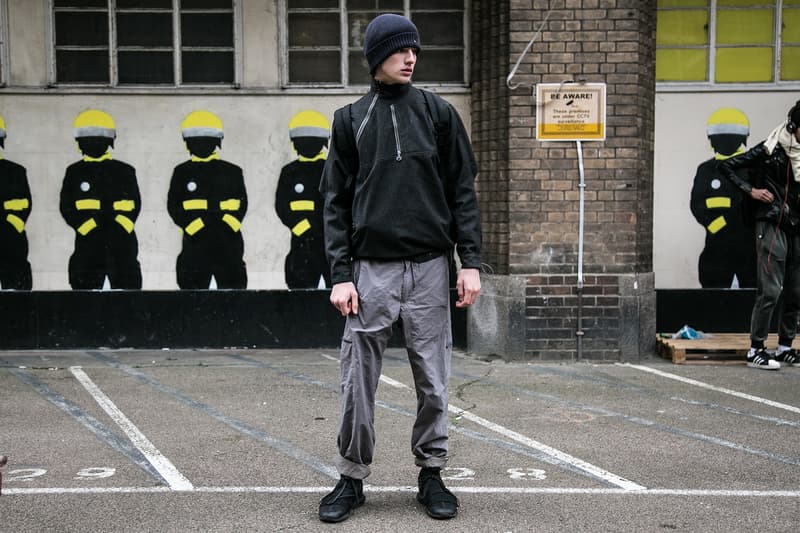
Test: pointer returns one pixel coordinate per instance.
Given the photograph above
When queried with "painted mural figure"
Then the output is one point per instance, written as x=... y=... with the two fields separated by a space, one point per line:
x=100 y=200
x=299 y=203
x=729 y=256
x=15 y=202
x=207 y=200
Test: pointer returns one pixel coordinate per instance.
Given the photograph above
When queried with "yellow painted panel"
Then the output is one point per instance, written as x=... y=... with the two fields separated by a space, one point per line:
x=790 y=63
x=791 y=25
x=681 y=65
x=745 y=3
x=682 y=3
x=681 y=28
x=744 y=65
x=744 y=26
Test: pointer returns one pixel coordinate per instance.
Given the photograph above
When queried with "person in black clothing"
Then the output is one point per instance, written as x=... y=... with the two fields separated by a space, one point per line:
x=207 y=200
x=774 y=166
x=399 y=196
x=15 y=206
x=298 y=202
x=100 y=201
x=729 y=256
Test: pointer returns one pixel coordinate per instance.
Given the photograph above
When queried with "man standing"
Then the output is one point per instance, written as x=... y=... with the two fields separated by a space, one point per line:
x=774 y=170
x=398 y=189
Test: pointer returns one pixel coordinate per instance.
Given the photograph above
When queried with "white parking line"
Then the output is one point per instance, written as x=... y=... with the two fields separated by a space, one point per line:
x=718 y=493
x=708 y=386
x=530 y=443
x=544 y=448
x=171 y=475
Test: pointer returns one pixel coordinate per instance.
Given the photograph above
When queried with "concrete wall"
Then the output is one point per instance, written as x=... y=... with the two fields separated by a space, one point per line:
x=255 y=117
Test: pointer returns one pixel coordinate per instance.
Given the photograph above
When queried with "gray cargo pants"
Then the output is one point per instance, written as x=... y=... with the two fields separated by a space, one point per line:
x=778 y=273
x=418 y=294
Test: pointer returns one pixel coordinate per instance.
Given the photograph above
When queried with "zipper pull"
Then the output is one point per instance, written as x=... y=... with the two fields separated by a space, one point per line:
x=399 y=156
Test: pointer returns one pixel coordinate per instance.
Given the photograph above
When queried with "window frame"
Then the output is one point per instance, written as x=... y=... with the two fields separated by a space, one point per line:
x=4 y=55
x=709 y=85
x=113 y=48
x=344 y=51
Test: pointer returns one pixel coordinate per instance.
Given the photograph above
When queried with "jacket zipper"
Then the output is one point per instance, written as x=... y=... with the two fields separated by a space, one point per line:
x=366 y=118
x=396 y=134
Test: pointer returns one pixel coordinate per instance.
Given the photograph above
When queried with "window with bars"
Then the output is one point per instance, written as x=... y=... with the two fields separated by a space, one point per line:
x=324 y=40
x=728 y=41
x=144 y=42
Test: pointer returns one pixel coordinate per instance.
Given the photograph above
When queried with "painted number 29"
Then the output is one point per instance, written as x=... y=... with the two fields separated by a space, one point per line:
x=28 y=474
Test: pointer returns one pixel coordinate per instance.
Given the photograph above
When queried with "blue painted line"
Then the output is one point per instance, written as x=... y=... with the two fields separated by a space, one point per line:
x=100 y=430
x=638 y=421
x=287 y=448
x=649 y=393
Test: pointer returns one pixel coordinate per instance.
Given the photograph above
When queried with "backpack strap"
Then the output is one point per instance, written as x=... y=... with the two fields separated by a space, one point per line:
x=349 y=150
x=434 y=104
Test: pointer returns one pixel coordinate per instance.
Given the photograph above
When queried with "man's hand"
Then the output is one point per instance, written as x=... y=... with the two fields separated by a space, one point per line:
x=344 y=297
x=762 y=195
x=468 y=286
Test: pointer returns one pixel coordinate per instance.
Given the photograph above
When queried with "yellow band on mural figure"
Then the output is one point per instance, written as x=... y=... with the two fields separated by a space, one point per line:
x=232 y=204
x=302 y=205
x=193 y=205
x=195 y=226
x=301 y=227
x=17 y=222
x=717 y=224
x=88 y=203
x=717 y=202
x=87 y=226
x=125 y=222
x=124 y=205
x=232 y=222
x=17 y=204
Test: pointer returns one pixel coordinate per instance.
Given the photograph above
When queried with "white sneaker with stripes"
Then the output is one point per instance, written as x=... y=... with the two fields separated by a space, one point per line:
x=761 y=359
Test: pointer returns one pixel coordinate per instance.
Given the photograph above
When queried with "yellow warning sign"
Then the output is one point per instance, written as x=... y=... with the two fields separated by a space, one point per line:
x=571 y=111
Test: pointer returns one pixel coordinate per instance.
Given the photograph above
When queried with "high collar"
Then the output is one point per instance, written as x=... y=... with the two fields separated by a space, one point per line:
x=393 y=90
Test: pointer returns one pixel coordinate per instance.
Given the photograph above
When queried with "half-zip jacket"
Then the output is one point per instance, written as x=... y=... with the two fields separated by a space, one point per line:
x=401 y=186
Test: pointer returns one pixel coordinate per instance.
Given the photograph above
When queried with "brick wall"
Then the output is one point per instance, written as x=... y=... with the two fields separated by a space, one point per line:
x=535 y=190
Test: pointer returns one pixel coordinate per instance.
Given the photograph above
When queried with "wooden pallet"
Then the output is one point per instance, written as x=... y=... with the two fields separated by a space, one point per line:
x=715 y=348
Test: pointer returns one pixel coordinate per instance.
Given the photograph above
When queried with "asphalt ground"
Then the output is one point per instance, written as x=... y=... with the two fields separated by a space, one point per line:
x=233 y=440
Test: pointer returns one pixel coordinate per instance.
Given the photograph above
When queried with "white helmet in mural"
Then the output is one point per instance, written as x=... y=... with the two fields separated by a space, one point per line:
x=94 y=123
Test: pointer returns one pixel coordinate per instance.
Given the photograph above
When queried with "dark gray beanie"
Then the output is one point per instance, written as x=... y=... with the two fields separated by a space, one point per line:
x=385 y=35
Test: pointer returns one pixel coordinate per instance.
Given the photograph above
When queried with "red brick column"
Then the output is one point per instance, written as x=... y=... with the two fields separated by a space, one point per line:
x=529 y=190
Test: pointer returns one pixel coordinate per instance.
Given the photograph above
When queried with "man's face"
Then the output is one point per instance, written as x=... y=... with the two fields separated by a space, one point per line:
x=398 y=67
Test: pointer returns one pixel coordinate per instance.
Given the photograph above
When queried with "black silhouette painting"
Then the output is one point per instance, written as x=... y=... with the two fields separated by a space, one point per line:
x=298 y=202
x=208 y=201
x=729 y=256
x=15 y=202
x=100 y=200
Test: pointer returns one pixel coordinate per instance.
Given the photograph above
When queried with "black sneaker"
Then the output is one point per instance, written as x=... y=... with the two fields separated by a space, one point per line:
x=439 y=502
x=762 y=360
x=340 y=503
x=788 y=357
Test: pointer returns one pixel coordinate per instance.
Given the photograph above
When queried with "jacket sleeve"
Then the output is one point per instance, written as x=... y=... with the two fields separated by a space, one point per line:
x=336 y=187
x=746 y=160
x=458 y=164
